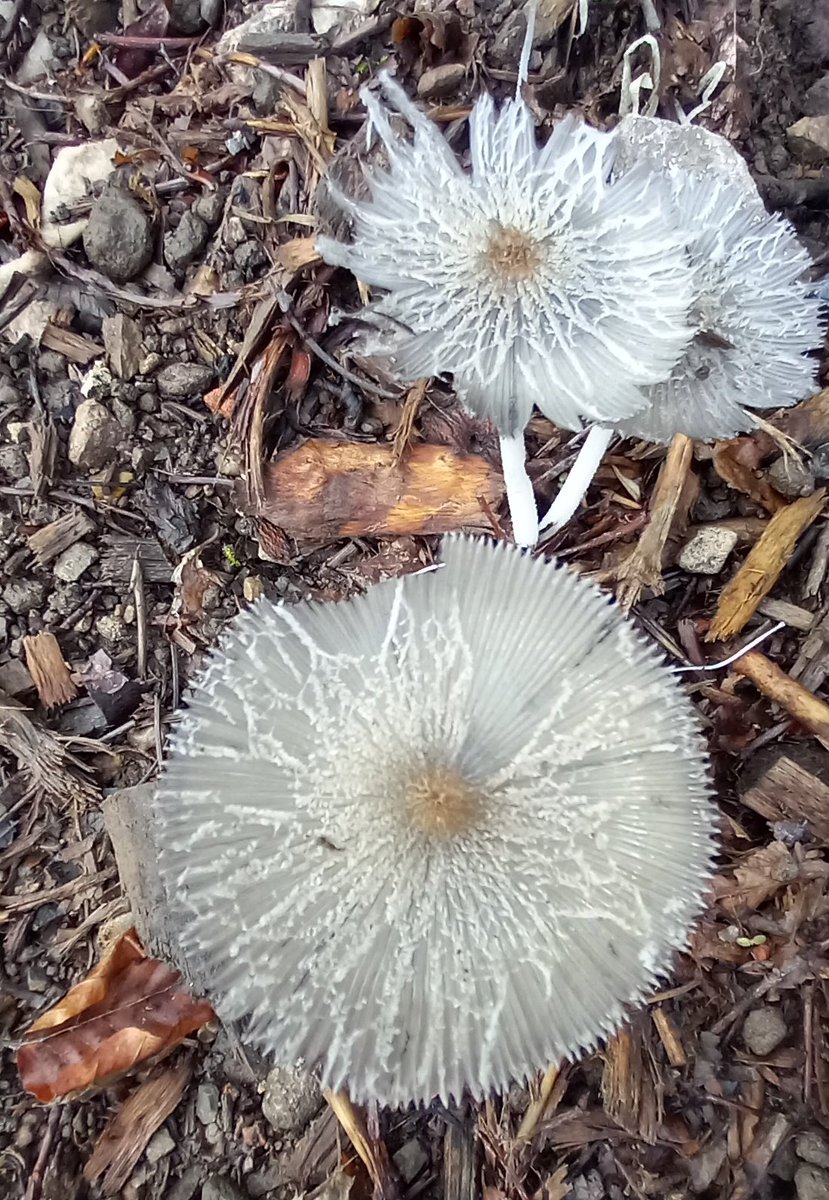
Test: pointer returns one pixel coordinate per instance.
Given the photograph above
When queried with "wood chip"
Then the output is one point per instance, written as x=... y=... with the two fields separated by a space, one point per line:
x=125 y=1138
x=763 y=566
x=643 y=567
x=73 y=346
x=629 y=1086
x=669 y=1037
x=325 y=490
x=50 y=541
x=371 y=1150
x=299 y=252
x=786 y=791
x=48 y=670
x=806 y=708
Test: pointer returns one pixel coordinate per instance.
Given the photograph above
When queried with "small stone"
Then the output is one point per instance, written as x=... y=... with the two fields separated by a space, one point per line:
x=220 y=1187
x=816 y=100
x=71 y=564
x=410 y=1160
x=94 y=437
x=437 y=83
x=13 y=462
x=112 y=629
x=185 y=243
x=290 y=1099
x=707 y=550
x=810 y=1183
x=812 y=1147
x=808 y=139
x=118 y=239
x=207 y=1103
x=159 y=1146
x=149 y=364
x=180 y=381
x=91 y=112
x=250 y=258
x=122 y=341
x=97 y=382
x=22 y=595
x=791 y=477
x=18 y=431
x=185 y=16
x=210 y=206
x=763 y=1030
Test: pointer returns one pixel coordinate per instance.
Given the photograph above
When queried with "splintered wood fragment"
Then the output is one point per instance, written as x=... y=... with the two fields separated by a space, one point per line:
x=787 y=791
x=669 y=1037
x=325 y=490
x=48 y=670
x=411 y=407
x=629 y=1091
x=806 y=708
x=50 y=541
x=763 y=566
x=372 y=1151
x=460 y=1157
x=71 y=345
x=643 y=567
x=125 y=1138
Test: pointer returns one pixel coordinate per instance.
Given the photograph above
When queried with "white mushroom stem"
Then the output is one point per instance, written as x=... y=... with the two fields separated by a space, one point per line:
x=579 y=478
x=520 y=498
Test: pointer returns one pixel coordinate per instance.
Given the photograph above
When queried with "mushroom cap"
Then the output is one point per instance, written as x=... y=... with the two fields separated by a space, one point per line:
x=754 y=318
x=435 y=837
x=532 y=278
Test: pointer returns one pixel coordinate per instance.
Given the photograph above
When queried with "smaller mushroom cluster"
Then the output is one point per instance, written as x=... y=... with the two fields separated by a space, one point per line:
x=628 y=281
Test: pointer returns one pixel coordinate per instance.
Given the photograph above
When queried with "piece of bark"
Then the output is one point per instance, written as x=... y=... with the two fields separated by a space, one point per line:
x=128 y=819
x=460 y=1157
x=643 y=566
x=806 y=708
x=324 y=490
x=630 y=1087
x=71 y=345
x=763 y=566
x=786 y=791
x=125 y=1138
x=119 y=554
x=48 y=670
x=782 y=610
x=50 y=541
x=742 y=477
x=44 y=762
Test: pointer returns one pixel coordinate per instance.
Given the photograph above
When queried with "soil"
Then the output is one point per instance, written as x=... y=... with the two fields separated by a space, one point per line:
x=109 y=422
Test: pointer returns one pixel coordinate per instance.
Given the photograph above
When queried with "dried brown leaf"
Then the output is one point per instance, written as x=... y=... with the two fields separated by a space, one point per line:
x=761 y=874
x=130 y=1008
x=736 y=464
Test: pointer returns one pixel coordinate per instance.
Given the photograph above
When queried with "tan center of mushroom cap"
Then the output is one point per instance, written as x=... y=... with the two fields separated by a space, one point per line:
x=511 y=255
x=440 y=802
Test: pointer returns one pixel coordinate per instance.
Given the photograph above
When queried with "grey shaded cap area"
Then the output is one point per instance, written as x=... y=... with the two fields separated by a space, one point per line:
x=754 y=314
x=436 y=837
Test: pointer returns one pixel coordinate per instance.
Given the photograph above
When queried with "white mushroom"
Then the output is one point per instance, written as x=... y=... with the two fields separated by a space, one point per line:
x=438 y=836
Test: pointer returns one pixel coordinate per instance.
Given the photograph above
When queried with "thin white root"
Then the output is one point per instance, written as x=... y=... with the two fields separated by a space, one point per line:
x=579 y=479
x=520 y=497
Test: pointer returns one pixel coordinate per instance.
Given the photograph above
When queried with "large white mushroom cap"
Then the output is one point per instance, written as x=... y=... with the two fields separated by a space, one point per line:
x=436 y=837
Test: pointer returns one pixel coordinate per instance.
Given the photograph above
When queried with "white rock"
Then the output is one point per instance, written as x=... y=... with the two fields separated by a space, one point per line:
x=94 y=437
x=342 y=16
x=707 y=550
x=71 y=564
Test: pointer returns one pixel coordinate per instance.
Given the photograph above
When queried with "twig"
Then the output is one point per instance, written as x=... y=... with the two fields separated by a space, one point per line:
x=325 y=357
x=35 y=1185
x=140 y=602
x=536 y=1109
x=776 y=685
x=372 y=1152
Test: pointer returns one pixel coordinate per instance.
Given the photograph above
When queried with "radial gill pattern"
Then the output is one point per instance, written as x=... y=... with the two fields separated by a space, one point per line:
x=533 y=278
x=754 y=312
x=436 y=837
